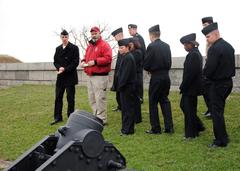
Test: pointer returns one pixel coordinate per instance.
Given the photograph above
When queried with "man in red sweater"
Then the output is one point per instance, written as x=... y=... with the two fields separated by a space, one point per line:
x=97 y=65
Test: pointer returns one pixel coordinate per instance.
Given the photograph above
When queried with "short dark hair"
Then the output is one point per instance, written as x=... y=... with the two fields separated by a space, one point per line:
x=137 y=44
x=155 y=33
x=193 y=44
x=64 y=32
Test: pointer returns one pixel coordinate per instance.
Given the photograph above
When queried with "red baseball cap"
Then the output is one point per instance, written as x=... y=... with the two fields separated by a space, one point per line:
x=95 y=29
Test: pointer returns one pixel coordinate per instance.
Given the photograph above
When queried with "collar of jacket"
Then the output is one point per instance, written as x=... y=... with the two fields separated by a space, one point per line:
x=157 y=39
x=193 y=49
x=218 y=40
x=97 y=42
x=123 y=55
x=69 y=45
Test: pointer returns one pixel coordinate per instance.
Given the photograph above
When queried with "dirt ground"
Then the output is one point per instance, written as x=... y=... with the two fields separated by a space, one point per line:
x=4 y=164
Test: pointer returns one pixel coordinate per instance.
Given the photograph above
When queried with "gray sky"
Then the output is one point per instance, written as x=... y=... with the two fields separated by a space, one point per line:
x=27 y=27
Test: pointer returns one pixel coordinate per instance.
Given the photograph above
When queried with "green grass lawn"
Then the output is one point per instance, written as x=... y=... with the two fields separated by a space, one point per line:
x=25 y=113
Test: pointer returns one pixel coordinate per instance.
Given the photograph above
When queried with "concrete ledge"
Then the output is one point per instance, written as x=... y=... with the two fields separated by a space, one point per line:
x=176 y=77
x=49 y=75
x=45 y=73
x=36 y=75
x=177 y=62
x=23 y=66
x=8 y=75
x=3 y=67
x=237 y=61
x=37 y=66
x=22 y=75
x=12 y=67
x=49 y=66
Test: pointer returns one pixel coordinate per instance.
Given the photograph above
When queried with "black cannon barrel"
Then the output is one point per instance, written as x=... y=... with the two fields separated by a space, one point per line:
x=77 y=122
x=84 y=120
x=77 y=146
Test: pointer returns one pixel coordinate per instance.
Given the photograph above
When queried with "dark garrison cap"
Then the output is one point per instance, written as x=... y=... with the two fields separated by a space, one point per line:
x=115 y=32
x=188 y=38
x=64 y=32
x=123 y=42
x=132 y=26
x=155 y=28
x=211 y=27
x=207 y=20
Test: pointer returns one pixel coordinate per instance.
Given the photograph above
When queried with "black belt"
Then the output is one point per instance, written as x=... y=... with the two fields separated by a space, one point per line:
x=100 y=74
x=160 y=72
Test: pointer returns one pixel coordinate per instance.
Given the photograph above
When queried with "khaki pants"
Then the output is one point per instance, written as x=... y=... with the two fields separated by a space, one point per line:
x=97 y=96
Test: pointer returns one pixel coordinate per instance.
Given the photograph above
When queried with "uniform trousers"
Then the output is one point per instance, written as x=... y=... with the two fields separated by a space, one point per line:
x=192 y=124
x=158 y=93
x=219 y=91
x=59 y=92
x=128 y=109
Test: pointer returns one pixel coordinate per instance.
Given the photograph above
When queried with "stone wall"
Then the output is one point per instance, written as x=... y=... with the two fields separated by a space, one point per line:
x=44 y=73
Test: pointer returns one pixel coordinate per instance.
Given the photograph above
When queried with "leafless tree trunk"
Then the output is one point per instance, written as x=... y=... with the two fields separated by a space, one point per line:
x=81 y=38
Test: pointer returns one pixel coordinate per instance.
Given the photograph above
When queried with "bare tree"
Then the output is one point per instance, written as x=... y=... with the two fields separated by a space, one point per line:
x=81 y=38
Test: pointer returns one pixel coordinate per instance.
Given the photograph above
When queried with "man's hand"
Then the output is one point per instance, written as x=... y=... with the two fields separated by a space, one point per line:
x=83 y=64
x=91 y=63
x=61 y=70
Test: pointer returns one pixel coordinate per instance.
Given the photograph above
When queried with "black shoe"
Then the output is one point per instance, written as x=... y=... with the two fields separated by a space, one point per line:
x=153 y=132
x=55 y=121
x=169 y=131
x=207 y=114
x=188 y=138
x=137 y=122
x=201 y=129
x=212 y=145
x=122 y=133
x=215 y=145
x=105 y=124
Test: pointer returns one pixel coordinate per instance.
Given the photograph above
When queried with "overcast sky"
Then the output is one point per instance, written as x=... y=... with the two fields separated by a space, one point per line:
x=27 y=27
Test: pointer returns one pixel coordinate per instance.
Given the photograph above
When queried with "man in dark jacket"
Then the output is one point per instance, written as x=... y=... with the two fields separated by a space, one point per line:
x=66 y=60
x=219 y=69
x=190 y=87
x=158 y=63
x=132 y=29
x=126 y=86
x=118 y=35
x=206 y=83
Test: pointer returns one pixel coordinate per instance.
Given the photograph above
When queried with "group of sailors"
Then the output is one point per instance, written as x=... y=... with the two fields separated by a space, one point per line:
x=213 y=81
